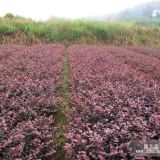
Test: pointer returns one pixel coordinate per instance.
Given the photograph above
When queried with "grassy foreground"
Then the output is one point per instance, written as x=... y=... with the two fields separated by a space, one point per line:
x=18 y=30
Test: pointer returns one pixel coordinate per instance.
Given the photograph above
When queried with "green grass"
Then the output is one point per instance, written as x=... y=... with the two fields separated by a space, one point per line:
x=7 y=29
x=61 y=119
x=117 y=32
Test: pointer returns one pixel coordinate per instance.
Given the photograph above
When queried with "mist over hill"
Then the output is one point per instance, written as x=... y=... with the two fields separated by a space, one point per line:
x=147 y=10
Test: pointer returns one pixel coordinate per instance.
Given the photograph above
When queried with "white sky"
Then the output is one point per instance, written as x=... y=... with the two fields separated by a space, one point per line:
x=44 y=9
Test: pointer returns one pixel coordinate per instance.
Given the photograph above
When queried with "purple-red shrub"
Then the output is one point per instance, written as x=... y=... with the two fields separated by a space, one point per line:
x=29 y=81
x=115 y=94
x=147 y=64
x=113 y=103
x=155 y=52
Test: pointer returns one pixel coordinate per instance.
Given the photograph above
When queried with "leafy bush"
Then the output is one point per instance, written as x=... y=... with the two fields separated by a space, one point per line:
x=116 y=97
x=9 y=16
x=29 y=98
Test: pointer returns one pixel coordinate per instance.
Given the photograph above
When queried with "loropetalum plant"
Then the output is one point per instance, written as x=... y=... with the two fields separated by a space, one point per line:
x=155 y=52
x=29 y=81
x=115 y=94
x=148 y=64
x=116 y=99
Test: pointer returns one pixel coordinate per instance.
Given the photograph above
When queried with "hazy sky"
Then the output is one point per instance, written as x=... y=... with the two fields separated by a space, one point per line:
x=44 y=9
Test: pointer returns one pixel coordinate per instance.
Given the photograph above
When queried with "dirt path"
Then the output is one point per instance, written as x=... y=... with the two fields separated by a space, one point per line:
x=62 y=119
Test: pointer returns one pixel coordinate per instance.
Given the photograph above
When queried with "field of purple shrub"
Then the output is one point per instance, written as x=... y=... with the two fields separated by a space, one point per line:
x=116 y=99
x=29 y=78
x=114 y=95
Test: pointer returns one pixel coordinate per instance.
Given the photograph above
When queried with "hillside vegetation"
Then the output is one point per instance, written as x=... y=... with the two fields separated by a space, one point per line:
x=18 y=30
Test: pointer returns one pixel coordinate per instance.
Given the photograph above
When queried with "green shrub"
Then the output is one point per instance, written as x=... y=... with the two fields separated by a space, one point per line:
x=9 y=16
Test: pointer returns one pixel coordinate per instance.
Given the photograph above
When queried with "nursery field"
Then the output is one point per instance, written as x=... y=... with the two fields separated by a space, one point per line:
x=28 y=97
x=103 y=96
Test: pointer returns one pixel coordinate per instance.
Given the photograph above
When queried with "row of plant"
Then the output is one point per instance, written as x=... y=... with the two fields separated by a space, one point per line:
x=155 y=52
x=113 y=104
x=147 y=64
x=29 y=86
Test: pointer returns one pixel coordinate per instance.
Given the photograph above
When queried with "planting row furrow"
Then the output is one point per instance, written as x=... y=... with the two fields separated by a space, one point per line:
x=146 y=64
x=155 y=52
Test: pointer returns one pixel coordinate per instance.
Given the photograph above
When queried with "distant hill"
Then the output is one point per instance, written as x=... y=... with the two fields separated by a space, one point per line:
x=147 y=10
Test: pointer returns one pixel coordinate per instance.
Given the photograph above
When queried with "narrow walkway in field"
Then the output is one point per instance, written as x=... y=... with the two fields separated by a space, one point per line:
x=61 y=122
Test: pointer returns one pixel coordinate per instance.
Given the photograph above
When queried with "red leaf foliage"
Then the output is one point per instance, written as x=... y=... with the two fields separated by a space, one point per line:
x=28 y=96
x=116 y=99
